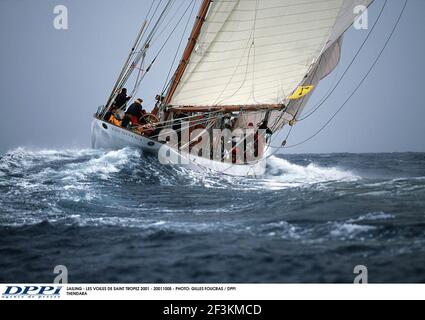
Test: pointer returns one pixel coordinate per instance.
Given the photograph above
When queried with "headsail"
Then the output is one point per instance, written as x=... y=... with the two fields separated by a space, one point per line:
x=252 y=52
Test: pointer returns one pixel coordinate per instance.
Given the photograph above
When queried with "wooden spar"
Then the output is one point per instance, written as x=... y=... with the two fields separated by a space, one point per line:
x=126 y=64
x=200 y=19
x=229 y=108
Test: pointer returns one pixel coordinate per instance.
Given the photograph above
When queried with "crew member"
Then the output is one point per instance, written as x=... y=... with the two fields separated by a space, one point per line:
x=112 y=118
x=108 y=114
x=227 y=121
x=265 y=126
x=135 y=111
x=260 y=140
x=121 y=99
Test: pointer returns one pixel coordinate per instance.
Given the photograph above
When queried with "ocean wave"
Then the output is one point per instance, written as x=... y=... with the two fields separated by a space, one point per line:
x=283 y=174
x=54 y=185
x=349 y=230
x=315 y=232
x=79 y=165
x=281 y=229
x=127 y=188
x=373 y=216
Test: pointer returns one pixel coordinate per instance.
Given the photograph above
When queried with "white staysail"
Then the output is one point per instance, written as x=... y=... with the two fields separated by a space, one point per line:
x=252 y=52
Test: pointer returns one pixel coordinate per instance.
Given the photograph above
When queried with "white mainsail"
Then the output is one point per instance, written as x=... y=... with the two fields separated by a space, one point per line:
x=252 y=52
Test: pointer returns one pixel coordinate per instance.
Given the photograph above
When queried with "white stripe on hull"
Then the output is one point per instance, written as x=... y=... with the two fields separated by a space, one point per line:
x=108 y=136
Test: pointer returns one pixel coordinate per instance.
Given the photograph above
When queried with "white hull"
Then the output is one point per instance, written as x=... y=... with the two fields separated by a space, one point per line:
x=108 y=136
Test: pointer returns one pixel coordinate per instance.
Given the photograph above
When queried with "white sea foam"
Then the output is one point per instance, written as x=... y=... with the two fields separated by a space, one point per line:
x=349 y=230
x=373 y=216
x=47 y=178
x=282 y=229
x=283 y=174
x=103 y=165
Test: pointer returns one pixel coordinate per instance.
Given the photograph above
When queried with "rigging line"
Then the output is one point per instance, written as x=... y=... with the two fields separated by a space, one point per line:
x=160 y=32
x=348 y=67
x=127 y=68
x=313 y=73
x=158 y=22
x=276 y=124
x=313 y=70
x=271 y=147
x=265 y=152
x=192 y=140
x=170 y=123
x=150 y=10
x=334 y=82
x=169 y=37
x=124 y=69
x=358 y=86
x=211 y=116
x=168 y=80
x=144 y=72
x=214 y=115
x=149 y=38
x=254 y=54
x=139 y=79
x=170 y=21
x=156 y=9
x=195 y=123
x=148 y=21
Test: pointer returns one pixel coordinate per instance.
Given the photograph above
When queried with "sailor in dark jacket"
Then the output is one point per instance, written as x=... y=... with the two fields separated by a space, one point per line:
x=135 y=112
x=121 y=99
x=265 y=126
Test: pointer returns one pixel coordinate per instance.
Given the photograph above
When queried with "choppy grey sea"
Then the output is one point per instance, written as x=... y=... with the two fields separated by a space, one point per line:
x=120 y=217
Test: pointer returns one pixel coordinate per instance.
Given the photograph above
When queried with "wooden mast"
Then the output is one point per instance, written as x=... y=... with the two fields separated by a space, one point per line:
x=200 y=19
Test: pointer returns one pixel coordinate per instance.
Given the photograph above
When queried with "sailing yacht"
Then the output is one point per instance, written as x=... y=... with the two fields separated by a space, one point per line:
x=250 y=66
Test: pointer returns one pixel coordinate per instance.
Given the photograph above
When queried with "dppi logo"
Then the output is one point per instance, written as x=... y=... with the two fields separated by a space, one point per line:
x=37 y=292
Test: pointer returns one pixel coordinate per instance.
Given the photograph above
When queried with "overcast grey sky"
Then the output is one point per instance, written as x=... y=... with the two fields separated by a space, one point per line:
x=53 y=80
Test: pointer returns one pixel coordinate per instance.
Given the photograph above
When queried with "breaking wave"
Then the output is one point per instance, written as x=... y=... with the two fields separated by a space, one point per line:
x=282 y=173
